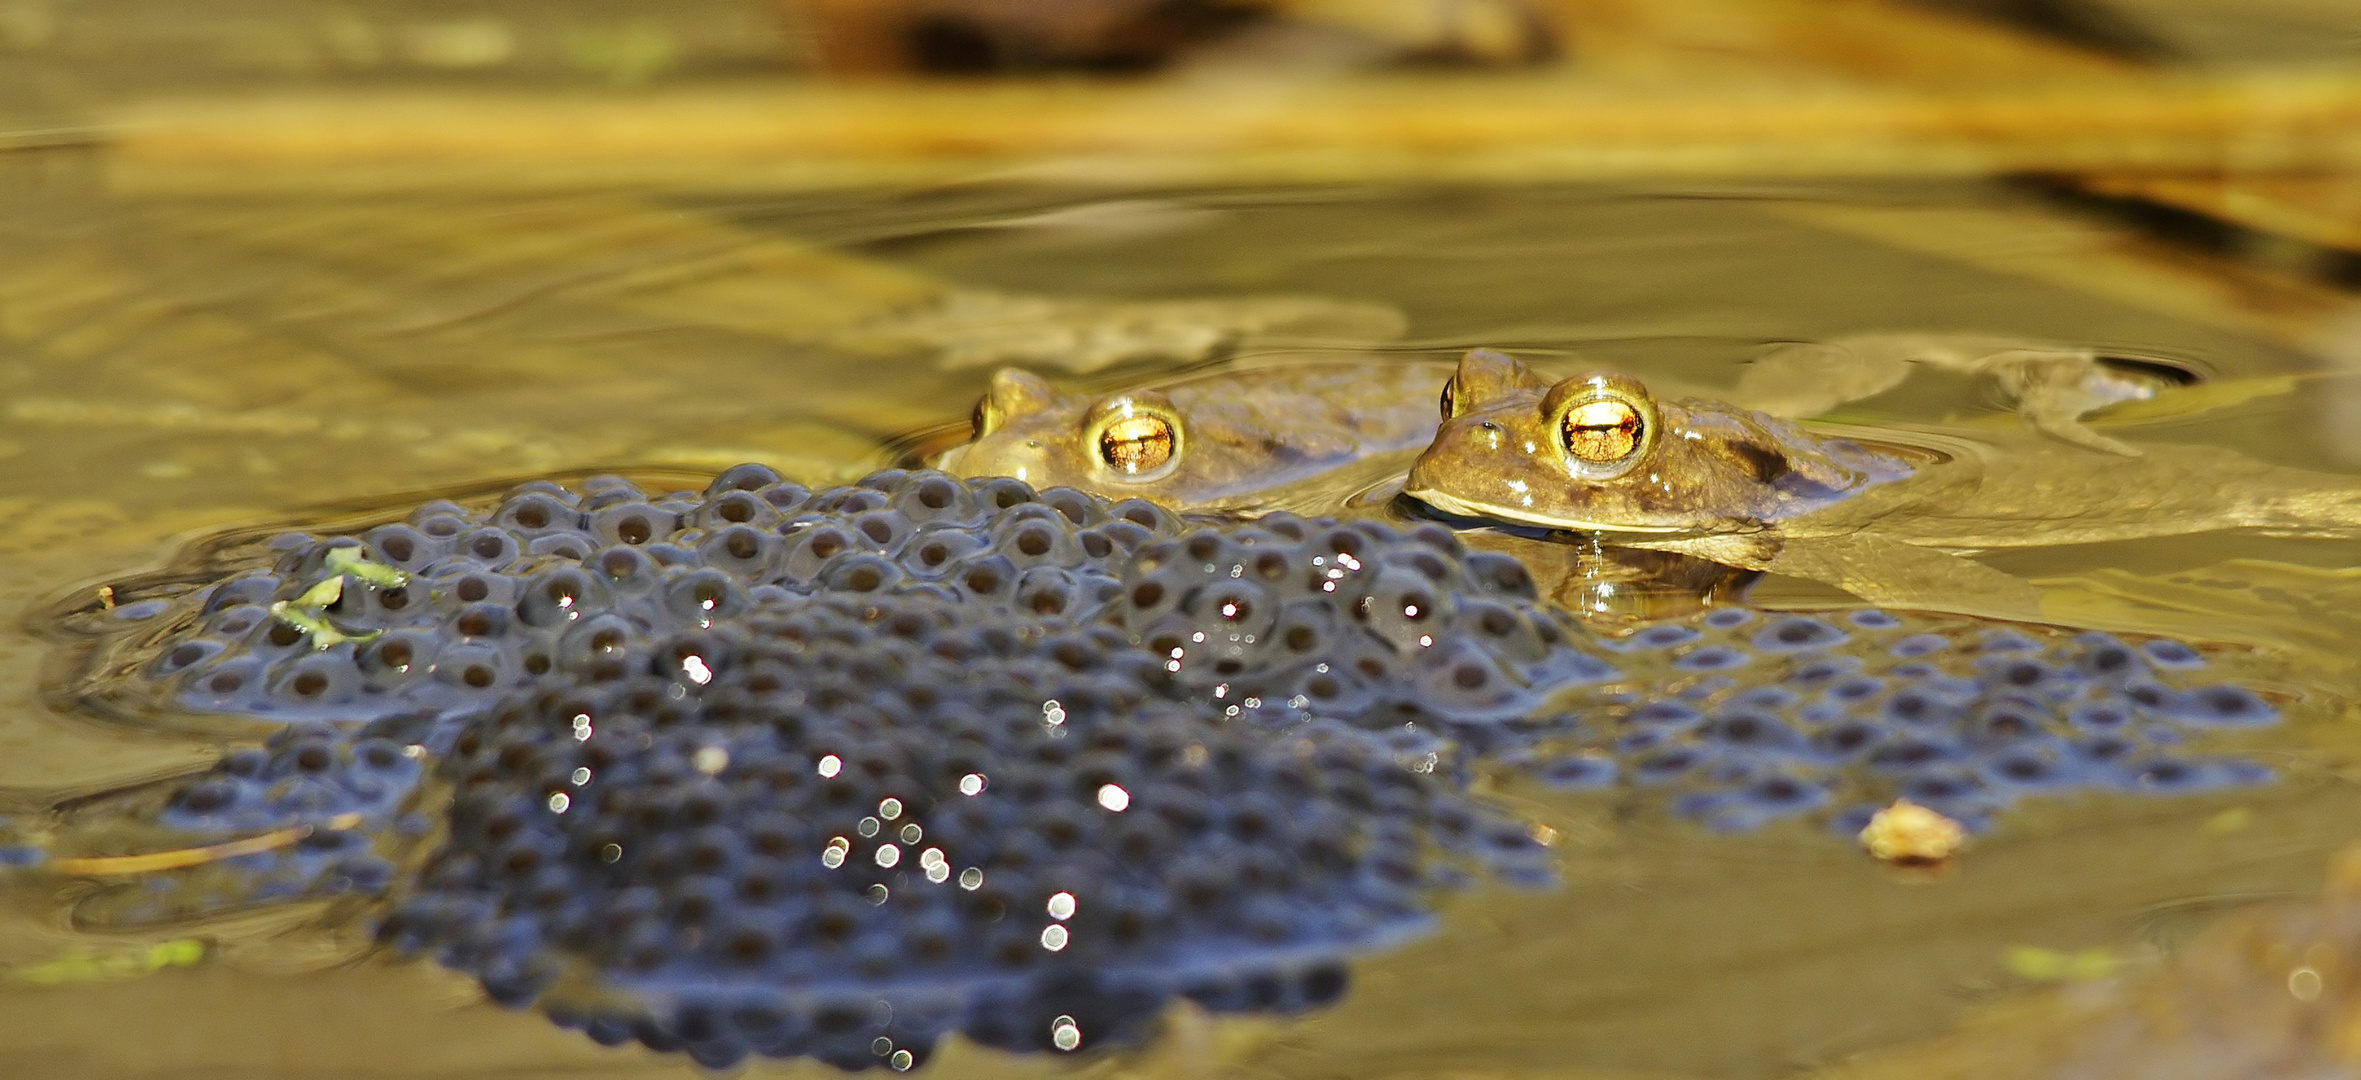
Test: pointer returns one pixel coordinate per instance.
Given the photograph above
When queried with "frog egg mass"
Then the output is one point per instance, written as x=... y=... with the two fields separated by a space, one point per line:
x=834 y=773
x=761 y=853
x=769 y=764
x=1759 y=717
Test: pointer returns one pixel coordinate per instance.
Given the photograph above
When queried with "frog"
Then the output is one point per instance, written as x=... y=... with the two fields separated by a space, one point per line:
x=1234 y=438
x=2053 y=386
x=1889 y=514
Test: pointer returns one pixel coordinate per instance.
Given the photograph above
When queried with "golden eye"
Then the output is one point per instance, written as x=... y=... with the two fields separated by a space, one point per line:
x=1136 y=444
x=1603 y=432
x=1450 y=399
x=979 y=422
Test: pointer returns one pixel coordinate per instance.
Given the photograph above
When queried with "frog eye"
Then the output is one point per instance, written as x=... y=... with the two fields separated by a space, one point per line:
x=1137 y=437
x=1012 y=393
x=1605 y=423
x=1450 y=399
x=1137 y=444
x=1603 y=432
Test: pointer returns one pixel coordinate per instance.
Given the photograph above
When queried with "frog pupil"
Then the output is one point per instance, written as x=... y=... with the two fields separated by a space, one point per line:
x=1136 y=444
x=1447 y=398
x=1600 y=432
x=980 y=420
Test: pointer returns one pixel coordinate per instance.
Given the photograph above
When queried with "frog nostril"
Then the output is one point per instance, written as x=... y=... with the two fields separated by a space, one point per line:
x=1488 y=425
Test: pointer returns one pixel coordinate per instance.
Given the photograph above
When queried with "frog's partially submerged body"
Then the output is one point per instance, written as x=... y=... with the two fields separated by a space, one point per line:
x=1882 y=519
x=2052 y=385
x=1221 y=440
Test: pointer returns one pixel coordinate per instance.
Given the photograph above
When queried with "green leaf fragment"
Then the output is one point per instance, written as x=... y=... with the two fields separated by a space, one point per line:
x=351 y=562
x=323 y=633
x=107 y=966
x=2036 y=964
x=320 y=595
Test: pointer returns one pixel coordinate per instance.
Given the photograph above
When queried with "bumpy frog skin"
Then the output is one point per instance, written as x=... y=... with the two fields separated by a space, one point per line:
x=1597 y=453
x=1213 y=441
x=1749 y=490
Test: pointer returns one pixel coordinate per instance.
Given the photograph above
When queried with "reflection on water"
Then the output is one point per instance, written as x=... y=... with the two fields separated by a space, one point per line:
x=396 y=346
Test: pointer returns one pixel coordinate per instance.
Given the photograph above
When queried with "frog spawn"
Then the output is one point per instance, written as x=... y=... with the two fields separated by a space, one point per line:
x=888 y=614
x=313 y=813
x=1753 y=718
x=1287 y=618
x=776 y=856
x=914 y=615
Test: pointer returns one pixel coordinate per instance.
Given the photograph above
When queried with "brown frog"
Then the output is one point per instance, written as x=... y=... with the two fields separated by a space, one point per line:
x=1881 y=513
x=1234 y=438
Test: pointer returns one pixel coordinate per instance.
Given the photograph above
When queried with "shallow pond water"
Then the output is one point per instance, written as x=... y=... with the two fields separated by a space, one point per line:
x=171 y=367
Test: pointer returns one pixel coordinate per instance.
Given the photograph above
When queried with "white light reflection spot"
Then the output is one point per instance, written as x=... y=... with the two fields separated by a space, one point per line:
x=937 y=873
x=1409 y=611
x=869 y=826
x=558 y=802
x=833 y=856
x=710 y=760
x=971 y=784
x=888 y=855
x=1061 y=906
x=830 y=766
x=694 y=667
x=877 y=894
x=611 y=853
x=2304 y=984
x=901 y=1061
x=1053 y=713
x=912 y=834
x=581 y=776
x=581 y=727
x=1064 y=1033
x=1114 y=798
x=932 y=857
x=1426 y=641
x=1053 y=937
x=971 y=878
x=890 y=809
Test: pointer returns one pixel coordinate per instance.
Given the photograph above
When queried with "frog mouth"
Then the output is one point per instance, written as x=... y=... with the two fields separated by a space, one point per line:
x=1468 y=508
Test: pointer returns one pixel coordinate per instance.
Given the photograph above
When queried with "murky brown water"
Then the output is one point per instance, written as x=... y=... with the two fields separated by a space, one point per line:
x=170 y=366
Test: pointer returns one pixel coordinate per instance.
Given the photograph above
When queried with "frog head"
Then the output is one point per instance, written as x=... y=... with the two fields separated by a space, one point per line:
x=1135 y=442
x=1598 y=453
